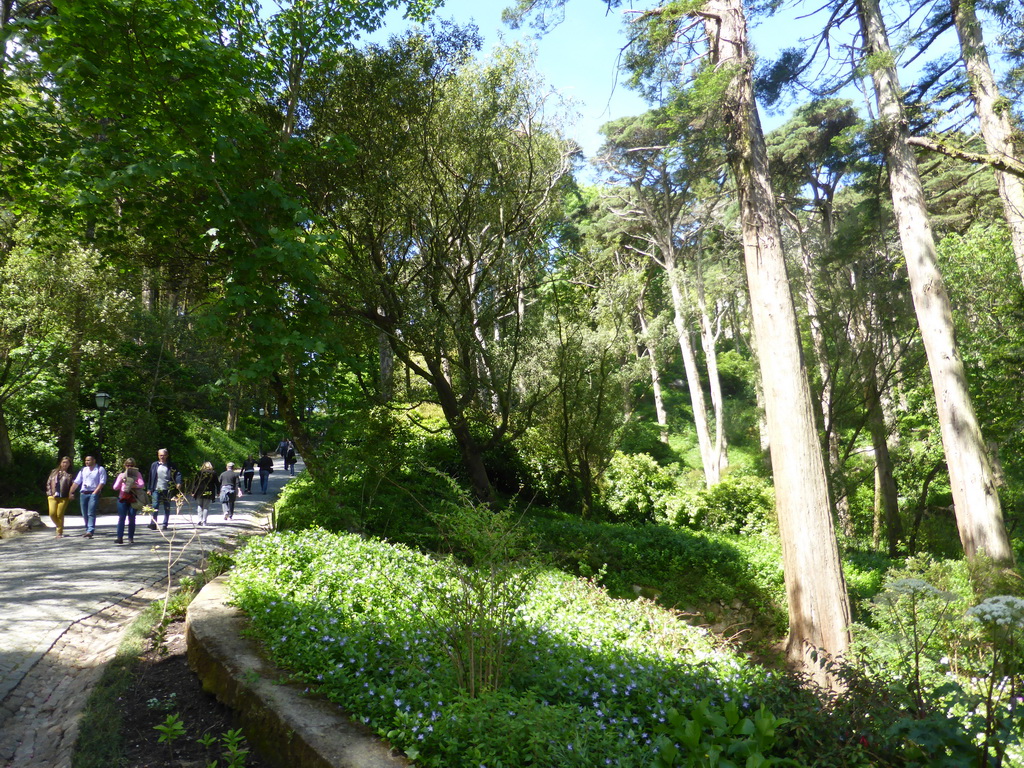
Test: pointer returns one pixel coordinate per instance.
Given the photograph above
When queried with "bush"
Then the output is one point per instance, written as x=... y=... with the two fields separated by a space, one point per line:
x=478 y=611
x=686 y=569
x=738 y=504
x=23 y=483
x=377 y=482
x=636 y=489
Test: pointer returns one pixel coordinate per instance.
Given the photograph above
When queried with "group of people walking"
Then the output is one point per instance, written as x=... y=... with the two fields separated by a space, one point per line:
x=163 y=487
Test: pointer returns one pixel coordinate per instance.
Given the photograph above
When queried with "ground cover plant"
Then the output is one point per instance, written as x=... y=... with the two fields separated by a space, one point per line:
x=586 y=679
x=589 y=680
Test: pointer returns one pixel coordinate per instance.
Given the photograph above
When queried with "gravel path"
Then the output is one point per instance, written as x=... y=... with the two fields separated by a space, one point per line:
x=64 y=604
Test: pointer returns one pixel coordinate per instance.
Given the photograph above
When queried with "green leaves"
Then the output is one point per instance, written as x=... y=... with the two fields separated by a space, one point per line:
x=719 y=738
x=170 y=729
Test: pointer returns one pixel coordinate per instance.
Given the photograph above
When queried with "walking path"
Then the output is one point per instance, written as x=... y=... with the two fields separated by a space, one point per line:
x=64 y=604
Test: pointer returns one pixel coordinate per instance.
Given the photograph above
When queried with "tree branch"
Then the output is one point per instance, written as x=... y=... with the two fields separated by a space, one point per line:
x=1004 y=164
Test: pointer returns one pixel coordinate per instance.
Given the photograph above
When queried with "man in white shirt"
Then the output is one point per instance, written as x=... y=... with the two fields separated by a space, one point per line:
x=90 y=479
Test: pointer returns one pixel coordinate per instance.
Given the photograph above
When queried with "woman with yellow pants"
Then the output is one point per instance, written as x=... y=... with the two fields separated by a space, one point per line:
x=58 y=493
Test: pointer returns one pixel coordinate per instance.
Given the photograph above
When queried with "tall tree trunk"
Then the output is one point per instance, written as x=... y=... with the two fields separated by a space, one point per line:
x=994 y=115
x=386 y=383
x=837 y=485
x=709 y=339
x=6 y=14
x=659 y=400
x=297 y=431
x=979 y=515
x=472 y=458
x=231 y=422
x=6 y=451
x=885 y=483
x=819 y=608
x=712 y=470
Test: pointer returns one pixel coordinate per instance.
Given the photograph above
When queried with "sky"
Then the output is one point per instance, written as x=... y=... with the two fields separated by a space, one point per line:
x=579 y=57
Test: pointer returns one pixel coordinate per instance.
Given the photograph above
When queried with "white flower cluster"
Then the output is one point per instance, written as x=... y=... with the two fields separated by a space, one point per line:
x=1001 y=610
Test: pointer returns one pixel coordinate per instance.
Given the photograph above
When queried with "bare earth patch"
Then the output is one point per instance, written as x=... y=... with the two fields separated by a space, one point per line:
x=164 y=685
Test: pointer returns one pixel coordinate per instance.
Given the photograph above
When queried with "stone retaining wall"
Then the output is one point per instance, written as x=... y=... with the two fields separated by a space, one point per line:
x=287 y=725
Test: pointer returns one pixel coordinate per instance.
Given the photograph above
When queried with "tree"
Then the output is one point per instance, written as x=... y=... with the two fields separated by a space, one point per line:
x=818 y=602
x=994 y=115
x=809 y=157
x=978 y=510
x=442 y=234
x=993 y=110
x=662 y=163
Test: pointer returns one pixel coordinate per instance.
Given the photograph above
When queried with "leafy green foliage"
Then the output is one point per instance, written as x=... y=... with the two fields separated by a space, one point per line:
x=719 y=739
x=636 y=490
x=688 y=569
x=740 y=503
x=359 y=619
x=478 y=613
x=170 y=730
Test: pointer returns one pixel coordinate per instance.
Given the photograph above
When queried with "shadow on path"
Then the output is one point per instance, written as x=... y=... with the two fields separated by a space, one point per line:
x=65 y=603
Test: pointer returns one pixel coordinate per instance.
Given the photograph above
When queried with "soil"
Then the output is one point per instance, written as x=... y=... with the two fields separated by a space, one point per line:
x=163 y=685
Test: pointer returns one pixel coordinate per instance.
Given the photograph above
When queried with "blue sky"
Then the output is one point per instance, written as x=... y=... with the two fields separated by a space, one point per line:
x=579 y=57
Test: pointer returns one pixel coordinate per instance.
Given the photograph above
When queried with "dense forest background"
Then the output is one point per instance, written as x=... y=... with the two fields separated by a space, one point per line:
x=238 y=219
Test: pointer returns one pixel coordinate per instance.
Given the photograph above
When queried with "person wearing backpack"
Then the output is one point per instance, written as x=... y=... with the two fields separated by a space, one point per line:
x=164 y=482
x=228 y=490
x=205 y=490
x=128 y=486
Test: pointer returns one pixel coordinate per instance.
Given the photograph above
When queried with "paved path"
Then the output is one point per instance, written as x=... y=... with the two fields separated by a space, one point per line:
x=65 y=602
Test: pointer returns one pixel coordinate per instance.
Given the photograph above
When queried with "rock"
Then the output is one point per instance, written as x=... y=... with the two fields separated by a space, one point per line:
x=15 y=521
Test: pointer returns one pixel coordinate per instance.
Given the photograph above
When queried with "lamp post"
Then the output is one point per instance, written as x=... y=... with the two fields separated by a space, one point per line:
x=102 y=401
x=263 y=412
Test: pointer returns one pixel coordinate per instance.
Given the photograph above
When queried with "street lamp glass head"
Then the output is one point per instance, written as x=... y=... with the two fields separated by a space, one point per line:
x=263 y=411
x=102 y=400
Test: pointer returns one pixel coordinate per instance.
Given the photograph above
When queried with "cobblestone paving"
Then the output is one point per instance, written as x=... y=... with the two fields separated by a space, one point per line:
x=64 y=604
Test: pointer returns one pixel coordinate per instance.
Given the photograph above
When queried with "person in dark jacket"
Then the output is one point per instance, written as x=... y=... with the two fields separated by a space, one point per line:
x=164 y=483
x=205 y=490
x=266 y=466
x=248 y=470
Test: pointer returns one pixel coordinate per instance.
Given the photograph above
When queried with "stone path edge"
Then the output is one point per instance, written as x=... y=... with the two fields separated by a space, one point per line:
x=289 y=726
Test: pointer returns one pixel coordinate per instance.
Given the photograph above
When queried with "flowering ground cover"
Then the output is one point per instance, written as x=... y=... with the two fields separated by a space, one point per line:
x=589 y=679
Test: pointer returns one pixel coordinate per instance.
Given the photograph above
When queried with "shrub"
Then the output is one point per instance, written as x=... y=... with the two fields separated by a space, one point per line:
x=688 y=569
x=478 y=610
x=636 y=489
x=710 y=738
x=738 y=504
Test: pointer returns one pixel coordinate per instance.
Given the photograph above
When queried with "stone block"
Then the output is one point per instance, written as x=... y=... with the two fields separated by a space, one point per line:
x=15 y=521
